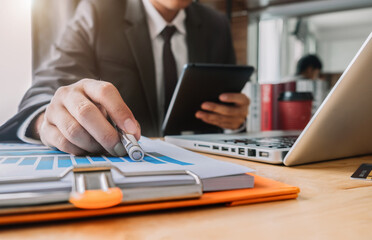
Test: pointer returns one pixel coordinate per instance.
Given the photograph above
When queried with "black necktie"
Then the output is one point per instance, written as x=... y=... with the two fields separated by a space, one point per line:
x=169 y=65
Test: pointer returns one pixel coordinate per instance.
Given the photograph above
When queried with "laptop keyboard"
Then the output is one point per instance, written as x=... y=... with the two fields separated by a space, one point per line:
x=269 y=142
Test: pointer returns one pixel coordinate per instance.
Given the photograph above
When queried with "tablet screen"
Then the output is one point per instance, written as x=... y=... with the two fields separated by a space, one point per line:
x=199 y=83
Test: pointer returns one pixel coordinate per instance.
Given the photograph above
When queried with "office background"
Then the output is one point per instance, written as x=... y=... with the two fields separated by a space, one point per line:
x=15 y=54
x=270 y=35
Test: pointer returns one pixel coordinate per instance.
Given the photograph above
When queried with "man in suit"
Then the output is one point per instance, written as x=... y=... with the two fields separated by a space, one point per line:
x=116 y=59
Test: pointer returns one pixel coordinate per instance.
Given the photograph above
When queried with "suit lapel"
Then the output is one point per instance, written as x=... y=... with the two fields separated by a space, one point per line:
x=196 y=37
x=139 y=39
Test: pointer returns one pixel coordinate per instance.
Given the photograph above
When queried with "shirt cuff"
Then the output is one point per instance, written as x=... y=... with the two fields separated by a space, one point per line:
x=240 y=129
x=21 y=133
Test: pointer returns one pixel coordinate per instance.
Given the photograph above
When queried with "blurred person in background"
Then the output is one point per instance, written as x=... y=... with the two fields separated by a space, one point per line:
x=309 y=67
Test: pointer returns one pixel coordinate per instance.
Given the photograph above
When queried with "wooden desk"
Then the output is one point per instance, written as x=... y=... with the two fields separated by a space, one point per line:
x=330 y=206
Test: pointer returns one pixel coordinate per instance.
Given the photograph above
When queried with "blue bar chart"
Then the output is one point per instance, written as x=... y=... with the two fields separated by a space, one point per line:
x=64 y=162
x=168 y=159
x=43 y=160
x=27 y=161
x=31 y=153
x=46 y=163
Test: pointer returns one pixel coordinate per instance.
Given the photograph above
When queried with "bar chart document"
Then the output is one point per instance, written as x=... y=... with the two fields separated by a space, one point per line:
x=21 y=163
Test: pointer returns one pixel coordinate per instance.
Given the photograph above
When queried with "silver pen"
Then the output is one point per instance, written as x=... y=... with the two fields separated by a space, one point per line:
x=134 y=150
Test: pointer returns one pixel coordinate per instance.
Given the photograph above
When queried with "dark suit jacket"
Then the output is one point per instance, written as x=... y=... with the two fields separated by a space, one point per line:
x=109 y=40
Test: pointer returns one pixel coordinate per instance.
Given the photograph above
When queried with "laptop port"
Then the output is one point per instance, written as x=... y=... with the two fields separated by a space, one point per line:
x=241 y=151
x=204 y=146
x=233 y=150
x=251 y=152
x=215 y=147
x=225 y=149
x=264 y=154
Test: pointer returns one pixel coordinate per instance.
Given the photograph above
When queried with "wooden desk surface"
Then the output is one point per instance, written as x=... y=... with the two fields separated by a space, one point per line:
x=330 y=206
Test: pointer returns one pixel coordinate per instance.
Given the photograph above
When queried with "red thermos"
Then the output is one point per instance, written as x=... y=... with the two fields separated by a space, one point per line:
x=294 y=110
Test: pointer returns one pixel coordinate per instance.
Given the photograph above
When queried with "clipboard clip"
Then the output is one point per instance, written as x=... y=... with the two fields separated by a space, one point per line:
x=94 y=187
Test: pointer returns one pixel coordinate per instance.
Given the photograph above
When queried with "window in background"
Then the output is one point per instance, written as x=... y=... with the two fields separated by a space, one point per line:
x=15 y=54
x=335 y=37
x=339 y=36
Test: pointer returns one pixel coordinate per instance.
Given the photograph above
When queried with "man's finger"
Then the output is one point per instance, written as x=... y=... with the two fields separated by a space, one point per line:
x=219 y=120
x=71 y=129
x=232 y=111
x=54 y=138
x=91 y=118
x=108 y=96
x=103 y=110
x=237 y=98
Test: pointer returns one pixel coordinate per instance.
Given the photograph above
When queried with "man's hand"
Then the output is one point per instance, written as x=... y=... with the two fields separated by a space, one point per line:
x=76 y=119
x=226 y=116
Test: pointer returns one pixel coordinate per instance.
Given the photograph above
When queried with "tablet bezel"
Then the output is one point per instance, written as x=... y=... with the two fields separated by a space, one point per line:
x=185 y=89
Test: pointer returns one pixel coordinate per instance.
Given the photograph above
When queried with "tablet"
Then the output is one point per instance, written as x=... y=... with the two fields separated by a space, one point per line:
x=199 y=83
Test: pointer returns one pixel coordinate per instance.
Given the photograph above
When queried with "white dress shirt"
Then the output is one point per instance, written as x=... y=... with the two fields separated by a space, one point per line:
x=156 y=24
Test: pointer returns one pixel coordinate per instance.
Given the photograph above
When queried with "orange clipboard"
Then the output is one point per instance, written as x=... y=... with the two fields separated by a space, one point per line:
x=265 y=190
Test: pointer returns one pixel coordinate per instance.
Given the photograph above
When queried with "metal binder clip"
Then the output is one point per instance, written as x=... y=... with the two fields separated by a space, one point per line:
x=172 y=190
x=94 y=188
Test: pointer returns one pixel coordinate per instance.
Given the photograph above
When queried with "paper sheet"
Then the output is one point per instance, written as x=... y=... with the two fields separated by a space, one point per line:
x=28 y=160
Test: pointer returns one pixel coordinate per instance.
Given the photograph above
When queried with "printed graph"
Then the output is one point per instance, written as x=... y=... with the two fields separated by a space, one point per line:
x=42 y=160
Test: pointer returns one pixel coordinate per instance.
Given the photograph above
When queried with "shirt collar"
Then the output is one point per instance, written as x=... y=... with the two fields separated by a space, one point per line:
x=157 y=23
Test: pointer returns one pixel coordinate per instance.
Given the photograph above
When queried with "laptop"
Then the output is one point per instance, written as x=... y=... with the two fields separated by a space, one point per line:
x=341 y=127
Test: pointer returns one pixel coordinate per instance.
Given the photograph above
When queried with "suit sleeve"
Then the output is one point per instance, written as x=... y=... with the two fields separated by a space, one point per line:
x=72 y=59
x=231 y=58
